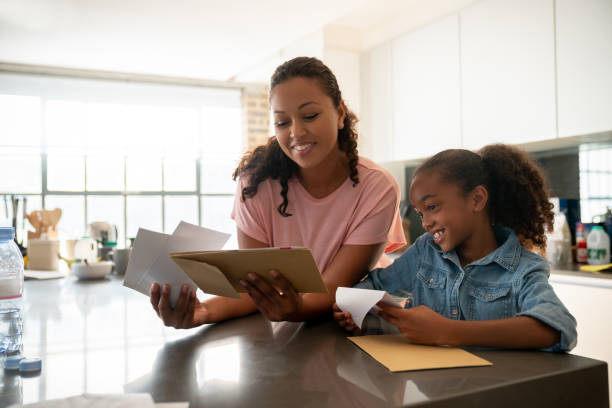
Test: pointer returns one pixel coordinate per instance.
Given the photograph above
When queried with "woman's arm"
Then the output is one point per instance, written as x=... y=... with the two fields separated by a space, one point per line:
x=349 y=265
x=189 y=312
x=424 y=326
x=223 y=308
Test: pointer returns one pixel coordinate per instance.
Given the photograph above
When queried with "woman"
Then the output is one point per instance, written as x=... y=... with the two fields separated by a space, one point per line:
x=306 y=187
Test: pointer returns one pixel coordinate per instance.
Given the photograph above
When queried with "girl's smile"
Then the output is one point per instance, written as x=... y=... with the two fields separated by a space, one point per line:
x=444 y=211
x=455 y=220
x=438 y=235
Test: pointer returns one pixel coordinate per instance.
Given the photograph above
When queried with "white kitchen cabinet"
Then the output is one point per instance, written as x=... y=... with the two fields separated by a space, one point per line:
x=584 y=66
x=508 y=72
x=591 y=307
x=376 y=127
x=426 y=90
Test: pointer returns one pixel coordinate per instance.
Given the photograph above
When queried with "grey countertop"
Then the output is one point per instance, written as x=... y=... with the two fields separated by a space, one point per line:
x=573 y=275
x=99 y=337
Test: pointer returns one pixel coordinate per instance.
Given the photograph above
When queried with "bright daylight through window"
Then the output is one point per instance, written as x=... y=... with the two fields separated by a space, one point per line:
x=131 y=154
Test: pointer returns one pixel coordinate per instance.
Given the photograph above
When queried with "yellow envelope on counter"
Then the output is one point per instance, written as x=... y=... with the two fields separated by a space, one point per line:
x=397 y=354
x=220 y=272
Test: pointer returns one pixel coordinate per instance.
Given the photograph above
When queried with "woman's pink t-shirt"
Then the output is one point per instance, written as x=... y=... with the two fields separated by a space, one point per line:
x=365 y=214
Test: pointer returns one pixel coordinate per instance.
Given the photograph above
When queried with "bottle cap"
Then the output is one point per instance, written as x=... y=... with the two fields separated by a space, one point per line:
x=12 y=362
x=7 y=233
x=30 y=364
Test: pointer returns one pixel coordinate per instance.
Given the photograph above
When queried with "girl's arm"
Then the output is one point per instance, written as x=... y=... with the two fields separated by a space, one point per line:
x=424 y=326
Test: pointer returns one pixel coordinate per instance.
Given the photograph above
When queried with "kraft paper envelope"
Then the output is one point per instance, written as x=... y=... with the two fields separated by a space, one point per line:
x=397 y=354
x=220 y=272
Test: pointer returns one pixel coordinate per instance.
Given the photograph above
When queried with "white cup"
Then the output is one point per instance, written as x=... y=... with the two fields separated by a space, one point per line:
x=120 y=258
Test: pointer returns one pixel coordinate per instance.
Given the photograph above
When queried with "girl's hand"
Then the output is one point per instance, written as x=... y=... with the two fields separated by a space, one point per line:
x=282 y=303
x=345 y=321
x=419 y=324
x=187 y=313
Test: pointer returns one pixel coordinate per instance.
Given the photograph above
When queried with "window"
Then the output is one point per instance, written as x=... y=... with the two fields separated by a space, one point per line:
x=133 y=154
x=595 y=181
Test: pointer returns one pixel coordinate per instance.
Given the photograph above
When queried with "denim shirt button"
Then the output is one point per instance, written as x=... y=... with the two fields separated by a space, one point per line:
x=454 y=312
x=431 y=280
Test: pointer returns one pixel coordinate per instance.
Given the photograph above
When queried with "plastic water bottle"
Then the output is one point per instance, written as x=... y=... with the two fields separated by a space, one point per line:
x=11 y=289
x=598 y=246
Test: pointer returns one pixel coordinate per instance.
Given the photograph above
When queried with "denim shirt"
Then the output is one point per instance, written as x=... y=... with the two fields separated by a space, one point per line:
x=510 y=281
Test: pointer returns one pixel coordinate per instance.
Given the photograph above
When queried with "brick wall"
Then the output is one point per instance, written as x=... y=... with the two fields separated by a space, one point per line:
x=256 y=111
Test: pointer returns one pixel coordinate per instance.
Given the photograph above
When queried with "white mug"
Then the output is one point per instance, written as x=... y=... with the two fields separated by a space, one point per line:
x=120 y=258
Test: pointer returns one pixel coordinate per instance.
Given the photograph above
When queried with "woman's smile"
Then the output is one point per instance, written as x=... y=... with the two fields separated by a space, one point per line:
x=302 y=148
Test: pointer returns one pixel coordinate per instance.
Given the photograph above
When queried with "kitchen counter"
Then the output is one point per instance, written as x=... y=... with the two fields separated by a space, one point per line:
x=573 y=275
x=99 y=337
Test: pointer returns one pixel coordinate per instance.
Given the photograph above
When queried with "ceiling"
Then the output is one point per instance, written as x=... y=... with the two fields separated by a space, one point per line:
x=205 y=39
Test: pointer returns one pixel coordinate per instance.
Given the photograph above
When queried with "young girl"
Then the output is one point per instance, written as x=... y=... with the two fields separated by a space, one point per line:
x=306 y=187
x=470 y=281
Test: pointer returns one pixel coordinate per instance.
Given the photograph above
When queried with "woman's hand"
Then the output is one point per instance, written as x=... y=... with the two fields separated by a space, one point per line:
x=345 y=321
x=419 y=324
x=187 y=313
x=280 y=303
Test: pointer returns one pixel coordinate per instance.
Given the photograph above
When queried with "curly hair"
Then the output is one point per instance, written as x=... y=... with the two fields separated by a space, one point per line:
x=517 y=187
x=269 y=161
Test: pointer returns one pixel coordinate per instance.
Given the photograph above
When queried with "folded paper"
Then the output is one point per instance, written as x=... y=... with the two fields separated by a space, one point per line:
x=358 y=302
x=150 y=259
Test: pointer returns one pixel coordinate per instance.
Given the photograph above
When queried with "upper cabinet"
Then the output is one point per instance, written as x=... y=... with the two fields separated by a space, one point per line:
x=508 y=72
x=499 y=71
x=584 y=66
x=376 y=126
x=426 y=90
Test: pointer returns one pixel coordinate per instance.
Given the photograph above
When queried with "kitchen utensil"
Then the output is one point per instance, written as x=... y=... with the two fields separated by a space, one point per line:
x=44 y=222
x=14 y=204
x=23 y=218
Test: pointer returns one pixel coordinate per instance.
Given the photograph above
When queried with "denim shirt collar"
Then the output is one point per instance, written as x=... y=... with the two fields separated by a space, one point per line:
x=506 y=255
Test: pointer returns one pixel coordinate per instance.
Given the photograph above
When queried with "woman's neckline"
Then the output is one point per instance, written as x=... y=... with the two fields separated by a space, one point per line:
x=299 y=185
